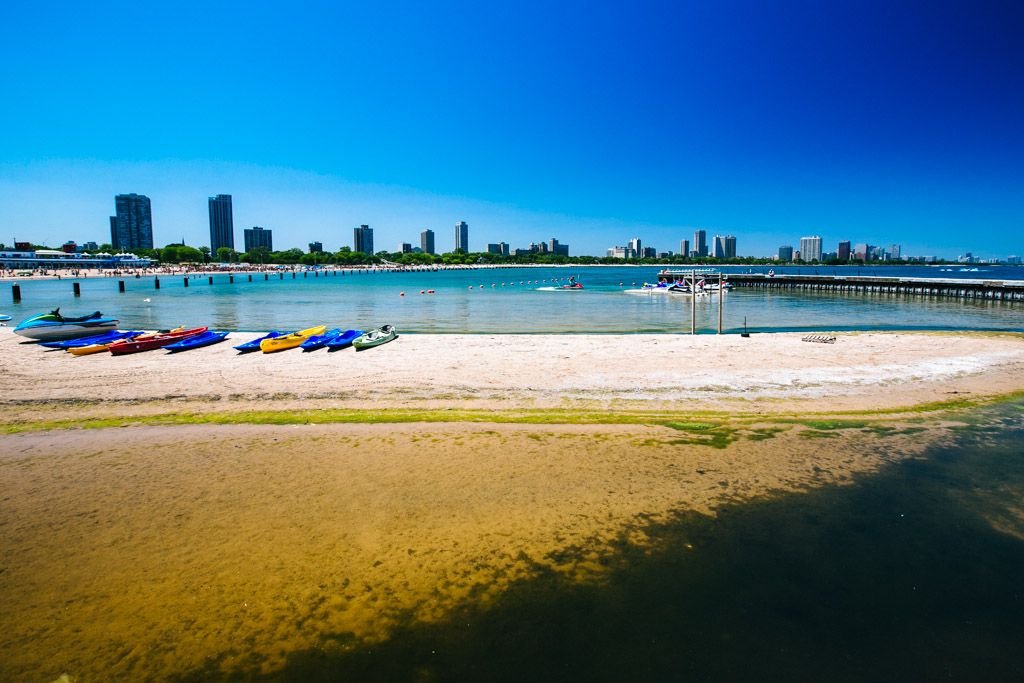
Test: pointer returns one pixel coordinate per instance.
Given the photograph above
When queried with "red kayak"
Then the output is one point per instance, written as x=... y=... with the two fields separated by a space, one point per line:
x=150 y=342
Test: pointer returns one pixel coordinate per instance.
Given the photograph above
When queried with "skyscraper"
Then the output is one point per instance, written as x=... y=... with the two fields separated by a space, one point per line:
x=258 y=237
x=700 y=242
x=363 y=240
x=427 y=241
x=718 y=246
x=810 y=248
x=786 y=253
x=684 y=248
x=843 y=252
x=222 y=223
x=462 y=237
x=730 y=246
x=636 y=248
x=132 y=227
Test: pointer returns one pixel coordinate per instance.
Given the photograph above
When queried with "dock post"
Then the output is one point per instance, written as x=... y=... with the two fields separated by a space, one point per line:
x=266 y=276
x=693 y=302
x=120 y=286
x=156 y=283
x=76 y=288
x=250 y=278
x=184 y=280
x=293 y=274
x=210 y=279
x=721 y=302
x=16 y=293
x=231 y=279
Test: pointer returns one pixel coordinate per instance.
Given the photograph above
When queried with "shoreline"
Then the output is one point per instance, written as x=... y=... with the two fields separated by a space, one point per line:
x=765 y=374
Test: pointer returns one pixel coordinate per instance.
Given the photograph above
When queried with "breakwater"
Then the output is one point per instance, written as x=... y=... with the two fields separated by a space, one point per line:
x=992 y=290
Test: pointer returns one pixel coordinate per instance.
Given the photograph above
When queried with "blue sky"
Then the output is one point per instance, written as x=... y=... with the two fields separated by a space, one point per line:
x=592 y=122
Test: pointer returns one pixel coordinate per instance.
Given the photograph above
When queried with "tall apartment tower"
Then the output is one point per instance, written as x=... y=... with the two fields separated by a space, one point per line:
x=462 y=237
x=843 y=251
x=258 y=237
x=132 y=227
x=636 y=248
x=684 y=248
x=427 y=241
x=730 y=246
x=700 y=242
x=222 y=223
x=810 y=248
x=363 y=239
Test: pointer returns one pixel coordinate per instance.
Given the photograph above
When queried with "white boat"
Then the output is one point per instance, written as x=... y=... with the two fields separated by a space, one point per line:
x=53 y=326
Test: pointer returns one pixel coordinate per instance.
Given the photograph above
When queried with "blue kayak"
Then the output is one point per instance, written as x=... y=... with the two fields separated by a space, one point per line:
x=254 y=345
x=197 y=340
x=105 y=338
x=344 y=339
x=318 y=341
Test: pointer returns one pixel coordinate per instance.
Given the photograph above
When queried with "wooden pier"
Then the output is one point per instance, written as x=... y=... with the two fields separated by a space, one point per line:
x=990 y=290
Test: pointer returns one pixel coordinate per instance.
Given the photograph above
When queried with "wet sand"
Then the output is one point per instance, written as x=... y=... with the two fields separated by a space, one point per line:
x=129 y=557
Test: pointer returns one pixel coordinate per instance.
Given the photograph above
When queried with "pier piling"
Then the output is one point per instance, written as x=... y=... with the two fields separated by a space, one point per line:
x=210 y=279
x=76 y=288
x=16 y=293
x=156 y=283
x=120 y=286
x=185 y=280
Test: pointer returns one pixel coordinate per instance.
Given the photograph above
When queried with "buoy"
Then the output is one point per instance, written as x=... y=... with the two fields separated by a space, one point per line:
x=402 y=294
x=421 y=291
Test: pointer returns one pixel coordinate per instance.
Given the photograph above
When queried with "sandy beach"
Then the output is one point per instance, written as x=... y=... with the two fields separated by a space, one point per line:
x=194 y=551
x=765 y=373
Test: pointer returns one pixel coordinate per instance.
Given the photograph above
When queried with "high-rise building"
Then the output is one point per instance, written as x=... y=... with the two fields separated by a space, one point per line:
x=635 y=248
x=558 y=249
x=132 y=227
x=894 y=252
x=494 y=248
x=618 y=252
x=316 y=247
x=786 y=253
x=810 y=248
x=222 y=223
x=258 y=237
x=843 y=251
x=862 y=251
x=462 y=237
x=649 y=252
x=730 y=246
x=363 y=239
x=700 y=242
x=684 y=248
x=404 y=248
x=718 y=246
x=427 y=241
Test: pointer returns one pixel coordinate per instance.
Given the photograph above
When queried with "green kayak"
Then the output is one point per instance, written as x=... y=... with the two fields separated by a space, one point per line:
x=381 y=335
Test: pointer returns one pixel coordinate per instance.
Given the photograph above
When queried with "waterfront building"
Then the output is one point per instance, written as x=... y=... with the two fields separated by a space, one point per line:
x=843 y=251
x=684 y=247
x=462 y=237
x=504 y=248
x=810 y=248
x=316 y=247
x=90 y=246
x=862 y=251
x=363 y=239
x=635 y=248
x=558 y=249
x=718 y=247
x=257 y=237
x=132 y=227
x=700 y=242
x=222 y=223
x=649 y=252
x=427 y=241
x=70 y=247
x=618 y=252
x=786 y=253
x=404 y=248
x=894 y=252
x=730 y=246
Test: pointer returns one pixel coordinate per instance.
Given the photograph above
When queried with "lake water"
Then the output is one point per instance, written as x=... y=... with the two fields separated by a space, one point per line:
x=513 y=300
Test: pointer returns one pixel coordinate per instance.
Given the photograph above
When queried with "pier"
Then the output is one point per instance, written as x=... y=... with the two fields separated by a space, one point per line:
x=989 y=290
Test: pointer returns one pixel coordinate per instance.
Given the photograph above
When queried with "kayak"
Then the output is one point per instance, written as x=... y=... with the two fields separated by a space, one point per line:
x=344 y=340
x=196 y=341
x=105 y=338
x=53 y=326
x=290 y=341
x=150 y=342
x=100 y=347
x=381 y=335
x=318 y=341
x=254 y=345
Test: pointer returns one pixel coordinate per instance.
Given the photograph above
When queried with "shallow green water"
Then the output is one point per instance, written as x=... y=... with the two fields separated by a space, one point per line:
x=913 y=573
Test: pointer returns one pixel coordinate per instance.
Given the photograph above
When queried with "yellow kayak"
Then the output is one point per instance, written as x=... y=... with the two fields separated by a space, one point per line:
x=290 y=341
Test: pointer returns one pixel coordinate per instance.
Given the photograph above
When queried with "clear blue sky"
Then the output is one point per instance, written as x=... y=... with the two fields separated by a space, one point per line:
x=592 y=122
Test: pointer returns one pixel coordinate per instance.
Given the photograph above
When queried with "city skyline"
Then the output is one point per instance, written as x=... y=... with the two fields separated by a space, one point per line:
x=799 y=130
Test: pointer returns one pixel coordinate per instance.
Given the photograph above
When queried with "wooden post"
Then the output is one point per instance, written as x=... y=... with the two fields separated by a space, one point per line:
x=120 y=285
x=76 y=288
x=210 y=279
x=250 y=278
x=16 y=293
x=721 y=302
x=185 y=280
x=693 y=302
x=231 y=279
x=156 y=282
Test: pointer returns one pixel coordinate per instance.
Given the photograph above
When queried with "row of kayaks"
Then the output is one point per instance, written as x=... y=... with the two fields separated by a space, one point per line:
x=96 y=334
x=319 y=337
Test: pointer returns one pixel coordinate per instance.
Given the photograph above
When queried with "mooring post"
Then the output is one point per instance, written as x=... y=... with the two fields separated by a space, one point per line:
x=250 y=278
x=16 y=293
x=231 y=279
x=156 y=283
x=721 y=302
x=120 y=286
x=185 y=280
x=693 y=302
x=210 y=279
x=76 y=288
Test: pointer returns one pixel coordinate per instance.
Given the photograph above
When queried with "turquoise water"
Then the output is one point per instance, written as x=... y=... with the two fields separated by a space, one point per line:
x=511 y=300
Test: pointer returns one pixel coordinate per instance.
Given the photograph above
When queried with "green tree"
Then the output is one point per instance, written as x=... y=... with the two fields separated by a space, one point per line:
x=188 y=254
x=205 y=251
x=226 y=255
